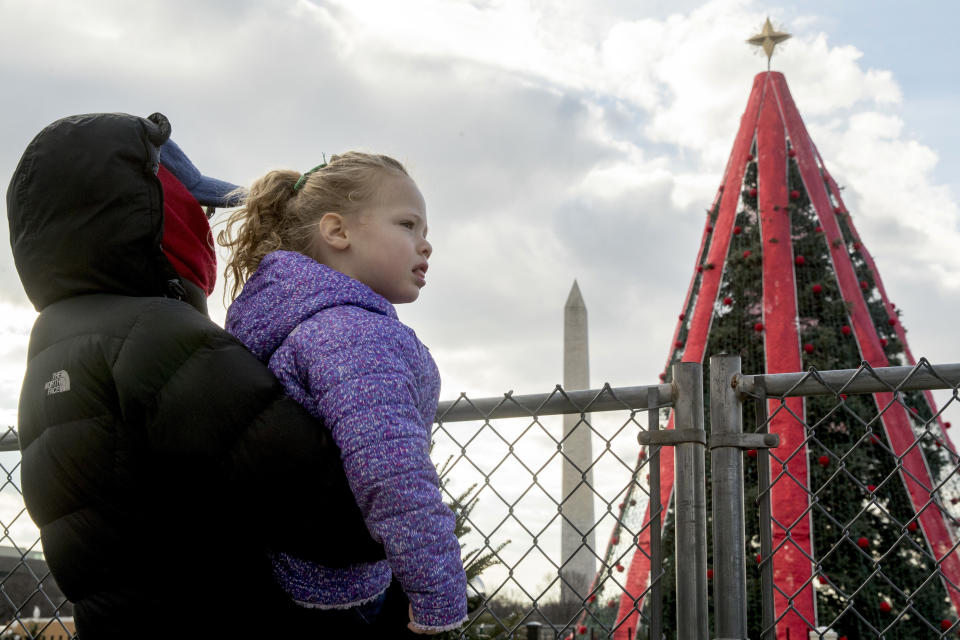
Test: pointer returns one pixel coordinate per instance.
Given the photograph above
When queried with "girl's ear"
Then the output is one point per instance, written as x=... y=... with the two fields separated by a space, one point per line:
x=332 y=232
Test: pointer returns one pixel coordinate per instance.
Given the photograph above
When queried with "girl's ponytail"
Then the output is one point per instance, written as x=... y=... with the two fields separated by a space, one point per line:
x=282 y=209
x=258 y=227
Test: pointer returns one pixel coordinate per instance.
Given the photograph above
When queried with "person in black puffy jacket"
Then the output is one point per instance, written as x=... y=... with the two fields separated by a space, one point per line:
x=161 y=460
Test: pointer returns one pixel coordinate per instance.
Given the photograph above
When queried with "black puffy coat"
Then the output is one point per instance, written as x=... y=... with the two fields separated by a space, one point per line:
x=161 y=460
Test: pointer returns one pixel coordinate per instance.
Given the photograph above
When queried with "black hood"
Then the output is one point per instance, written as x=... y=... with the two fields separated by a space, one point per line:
x=85 y=209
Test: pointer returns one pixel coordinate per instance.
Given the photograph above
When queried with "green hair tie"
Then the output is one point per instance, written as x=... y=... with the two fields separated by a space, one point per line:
x=303 y=178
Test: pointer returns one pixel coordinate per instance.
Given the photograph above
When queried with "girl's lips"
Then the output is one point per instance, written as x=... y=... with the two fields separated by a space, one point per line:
x=421 y=275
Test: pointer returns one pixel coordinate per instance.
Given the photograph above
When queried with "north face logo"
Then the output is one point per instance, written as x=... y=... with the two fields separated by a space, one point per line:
x=59 y=384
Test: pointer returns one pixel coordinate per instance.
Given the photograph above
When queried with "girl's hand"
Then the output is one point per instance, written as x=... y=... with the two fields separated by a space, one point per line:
x=411 y=626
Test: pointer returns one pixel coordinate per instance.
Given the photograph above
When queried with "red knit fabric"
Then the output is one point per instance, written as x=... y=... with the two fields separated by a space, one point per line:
x=187 y=238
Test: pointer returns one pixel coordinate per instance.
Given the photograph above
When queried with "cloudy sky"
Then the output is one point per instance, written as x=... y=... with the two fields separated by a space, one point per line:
x=553 y=141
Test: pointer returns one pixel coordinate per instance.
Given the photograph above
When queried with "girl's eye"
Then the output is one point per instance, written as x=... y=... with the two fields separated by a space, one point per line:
x=408 y=224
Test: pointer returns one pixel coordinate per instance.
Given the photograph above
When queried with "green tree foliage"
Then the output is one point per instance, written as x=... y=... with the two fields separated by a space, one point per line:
x=869 y=552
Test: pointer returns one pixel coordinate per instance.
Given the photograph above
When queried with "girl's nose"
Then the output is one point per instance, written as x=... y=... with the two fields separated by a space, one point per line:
x=426 y=248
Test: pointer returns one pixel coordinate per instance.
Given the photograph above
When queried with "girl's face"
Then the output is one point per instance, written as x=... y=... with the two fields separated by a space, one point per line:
x=388 y=248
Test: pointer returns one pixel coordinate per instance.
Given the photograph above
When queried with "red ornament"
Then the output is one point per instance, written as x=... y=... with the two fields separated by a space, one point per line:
x=581 y=630
x=611 y=603
x=752 y=193
x=892 y=322
x=749 y=157
x=747 y=254
x=759 y=558
x=792 y=153
x=663 y=377
x=874 y=439
x=737 y=231
x=758 y=327
x=592 y=598
x=838 y=210
x=699 y=268
x=864 y=285
x=643 y=455
x=620 y=568
x=709 y=228
x=862 y=542
x=818 y=230
x=885 y=607
x=794 y=195
x=871 y=488
x=751 y=453
x=728 y=301
x=709 y=574
x=845 y=330
x=844 y=396
x=621 y=506
x=799 y=261
x=808 y=348
x=817 y=289
x=946 y=425
x=824 y=460
x=720 y=189
x=678 y=344
x=883 y=342
x=682 y=316
x=856 y=246
x=945 y=624
x=912 y=526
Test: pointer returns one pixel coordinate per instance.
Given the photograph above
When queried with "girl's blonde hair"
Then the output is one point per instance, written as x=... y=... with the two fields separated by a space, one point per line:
x=274 y=215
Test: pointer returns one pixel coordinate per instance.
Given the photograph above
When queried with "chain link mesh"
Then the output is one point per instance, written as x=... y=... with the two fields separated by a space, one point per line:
x=515 y=467
x=506 y=471
x=872 y=546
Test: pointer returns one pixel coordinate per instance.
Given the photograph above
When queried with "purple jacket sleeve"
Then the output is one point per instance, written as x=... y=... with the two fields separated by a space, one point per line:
x=361 y=378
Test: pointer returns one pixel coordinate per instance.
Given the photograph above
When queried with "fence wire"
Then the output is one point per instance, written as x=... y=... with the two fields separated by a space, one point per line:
x=858 y=530
x=501 y=462
x=851 y=525
x=511 y=451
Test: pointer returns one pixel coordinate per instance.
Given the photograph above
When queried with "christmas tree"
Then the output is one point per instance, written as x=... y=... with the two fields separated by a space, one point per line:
x=783 y=280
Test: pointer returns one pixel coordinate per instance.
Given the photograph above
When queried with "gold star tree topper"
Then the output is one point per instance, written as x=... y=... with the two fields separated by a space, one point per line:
x=768 y=38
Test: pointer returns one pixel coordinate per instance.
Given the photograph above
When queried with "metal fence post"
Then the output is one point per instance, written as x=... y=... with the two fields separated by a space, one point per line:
x=533 y=630
x=656 y=524
x=691 y=503
x=726 y=473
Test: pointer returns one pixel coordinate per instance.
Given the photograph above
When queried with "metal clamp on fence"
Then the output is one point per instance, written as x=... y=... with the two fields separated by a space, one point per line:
x=689 y=440
x=745 y=440
x=672 y=437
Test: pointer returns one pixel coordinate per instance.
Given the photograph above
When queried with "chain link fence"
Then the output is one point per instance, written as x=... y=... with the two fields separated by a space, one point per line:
x=510 y=453
x=855 y=523
x=831 y=497
x=503 y=458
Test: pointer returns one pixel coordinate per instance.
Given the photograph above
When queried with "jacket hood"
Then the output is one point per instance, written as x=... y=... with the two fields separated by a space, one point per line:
x=288 y=288
x=85 y=209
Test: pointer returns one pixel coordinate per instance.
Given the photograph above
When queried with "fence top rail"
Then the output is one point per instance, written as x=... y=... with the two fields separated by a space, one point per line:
x=556 y=402
x=865 y=379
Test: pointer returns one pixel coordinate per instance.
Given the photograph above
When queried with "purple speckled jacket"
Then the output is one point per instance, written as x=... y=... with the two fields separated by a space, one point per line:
x=340 y=351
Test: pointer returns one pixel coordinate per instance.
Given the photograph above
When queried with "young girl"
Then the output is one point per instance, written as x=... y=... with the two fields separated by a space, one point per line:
x=321 y=259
